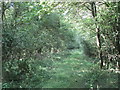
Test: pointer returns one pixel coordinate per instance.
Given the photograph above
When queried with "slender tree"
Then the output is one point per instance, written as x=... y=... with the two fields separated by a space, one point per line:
x=98 y=38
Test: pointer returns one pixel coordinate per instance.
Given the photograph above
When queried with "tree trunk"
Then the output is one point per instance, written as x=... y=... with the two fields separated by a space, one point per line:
x=3 y=13
x=98 y=38
x=118 y=34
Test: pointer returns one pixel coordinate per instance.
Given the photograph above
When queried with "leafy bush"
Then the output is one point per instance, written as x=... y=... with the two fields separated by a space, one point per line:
x=97 y=78
x=22 y=73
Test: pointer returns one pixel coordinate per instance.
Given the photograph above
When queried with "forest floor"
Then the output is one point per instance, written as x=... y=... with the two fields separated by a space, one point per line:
x=68 y=69
x=73 y=69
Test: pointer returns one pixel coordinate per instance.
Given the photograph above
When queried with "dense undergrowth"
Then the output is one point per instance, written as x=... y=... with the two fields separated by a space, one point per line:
x=67 y=69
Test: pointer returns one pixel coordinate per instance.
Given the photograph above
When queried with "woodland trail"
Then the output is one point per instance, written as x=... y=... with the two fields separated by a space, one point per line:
x=67 y=69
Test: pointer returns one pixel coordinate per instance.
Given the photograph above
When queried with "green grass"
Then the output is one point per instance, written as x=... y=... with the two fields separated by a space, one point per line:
x=77 y=71
x=69 y=69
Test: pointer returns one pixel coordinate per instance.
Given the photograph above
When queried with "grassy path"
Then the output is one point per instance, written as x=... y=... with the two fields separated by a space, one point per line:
x=66 y=69
x=69 y=69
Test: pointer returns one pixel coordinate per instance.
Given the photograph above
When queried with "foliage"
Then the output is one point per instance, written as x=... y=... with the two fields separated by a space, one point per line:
x=46 y=42
x=100 y=79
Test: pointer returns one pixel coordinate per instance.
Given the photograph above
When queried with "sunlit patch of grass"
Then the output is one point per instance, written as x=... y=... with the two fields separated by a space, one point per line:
x=67 y=69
